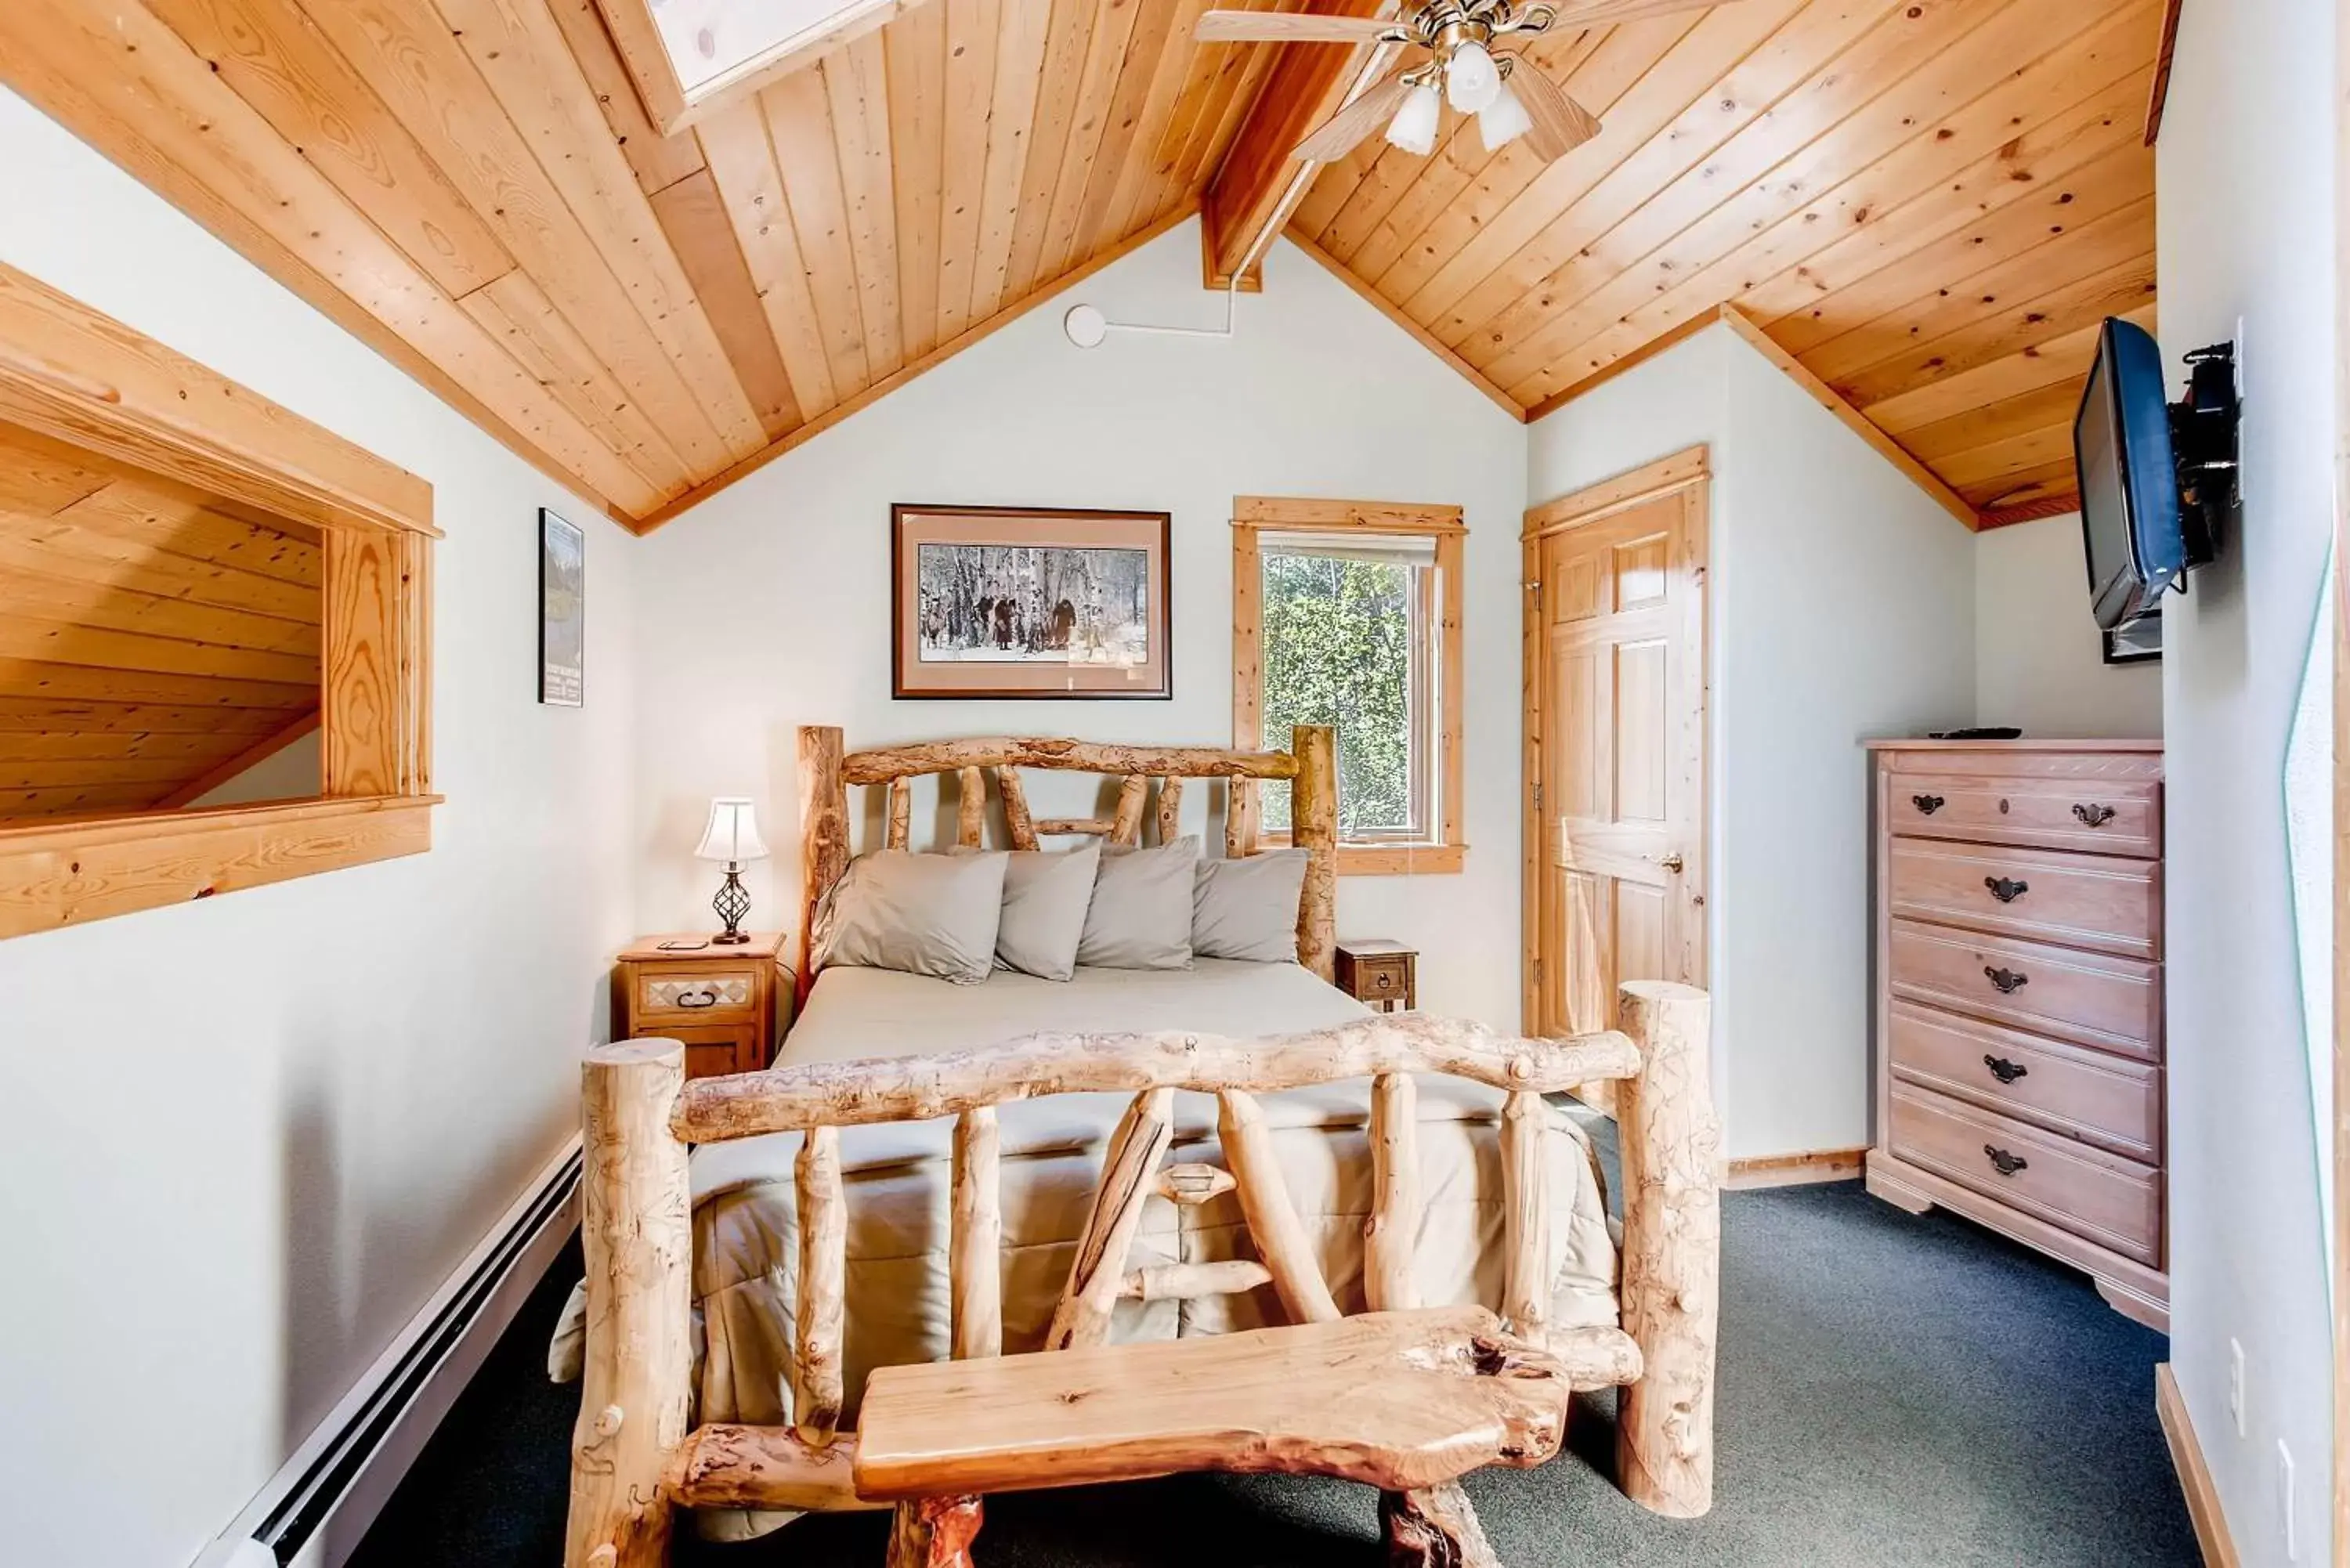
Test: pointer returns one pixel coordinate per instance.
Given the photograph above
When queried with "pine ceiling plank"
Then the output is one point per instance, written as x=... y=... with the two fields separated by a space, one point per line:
x=914 y=49
x=2024 y=451
x=128 y=85
x=1022 y=39
x=2056 y=403
x=76 y=801
x=2059 y=360
x=155 y=514
x=57 y=547
x=1978 y=151
x=742 y=167
x=285 y=68
x=516 y=312
x=1517 y=193
x=2014 y=490
x=1815 y=300
x=2024 y=323
x=971 y=28
x=799 y=125
x=1139 y=172
x=521 y=54
x=36 y=715
x=65 y=741
x=1057 y=108
x=41 y=679
x=115 y=607
x=1119 y=146
x=407 y=56
x=39 y=475
x=1337 y=183
x=694 y=217
x=1214 y=72
x=1233 y=92
x=1821 y=64
x=659 y=161
x=2093 y=247
x=857 y=87
x=67 y=772
x=29 y=637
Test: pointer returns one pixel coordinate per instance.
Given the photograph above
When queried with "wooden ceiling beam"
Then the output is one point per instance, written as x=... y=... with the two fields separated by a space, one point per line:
x=1260 y=184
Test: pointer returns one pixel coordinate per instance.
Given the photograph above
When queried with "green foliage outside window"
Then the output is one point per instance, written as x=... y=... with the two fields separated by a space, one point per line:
x=1339 y=651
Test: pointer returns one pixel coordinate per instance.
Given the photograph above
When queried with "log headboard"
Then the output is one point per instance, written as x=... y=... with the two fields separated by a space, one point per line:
x=826 y=772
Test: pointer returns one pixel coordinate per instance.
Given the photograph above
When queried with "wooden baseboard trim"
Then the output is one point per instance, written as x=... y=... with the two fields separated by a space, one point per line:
x=1794 y=1169
x=2194 y=1475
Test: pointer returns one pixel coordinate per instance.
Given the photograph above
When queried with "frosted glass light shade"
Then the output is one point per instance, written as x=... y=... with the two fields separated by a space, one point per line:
x=1504 y=120
x=1414 y=126
x=1471 y=80
x=732 y=835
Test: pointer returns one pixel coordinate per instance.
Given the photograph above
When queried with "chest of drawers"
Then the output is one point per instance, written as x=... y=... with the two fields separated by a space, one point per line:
x=2019 y=1048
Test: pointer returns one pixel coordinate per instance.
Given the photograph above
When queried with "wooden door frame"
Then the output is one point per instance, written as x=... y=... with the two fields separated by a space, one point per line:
x=1690 y=468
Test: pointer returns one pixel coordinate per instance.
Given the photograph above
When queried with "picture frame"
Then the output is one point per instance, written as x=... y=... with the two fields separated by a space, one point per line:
x=562 y=611
x=1030 y=602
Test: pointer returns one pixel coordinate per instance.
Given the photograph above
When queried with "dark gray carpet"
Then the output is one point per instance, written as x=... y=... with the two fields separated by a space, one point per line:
x=1894 y=1391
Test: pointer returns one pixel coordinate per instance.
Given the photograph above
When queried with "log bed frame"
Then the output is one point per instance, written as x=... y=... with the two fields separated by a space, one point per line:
x=634 y=1458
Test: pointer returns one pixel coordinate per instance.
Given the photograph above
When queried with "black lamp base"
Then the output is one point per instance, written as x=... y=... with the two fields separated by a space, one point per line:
x=732 y=902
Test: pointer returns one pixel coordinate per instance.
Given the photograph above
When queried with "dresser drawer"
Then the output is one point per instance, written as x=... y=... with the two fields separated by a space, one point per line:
x=2099 y=816
x=2106 y=1100
x=2091 y=999
x=2113 y=1201
x=2044 y=895
x=714 y=992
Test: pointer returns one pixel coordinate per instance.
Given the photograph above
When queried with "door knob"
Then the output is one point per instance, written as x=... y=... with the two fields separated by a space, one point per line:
x=1671 y=863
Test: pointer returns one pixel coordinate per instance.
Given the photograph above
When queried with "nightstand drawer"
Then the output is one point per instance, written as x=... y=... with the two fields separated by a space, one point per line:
x=715 y=993
x=1377 y=979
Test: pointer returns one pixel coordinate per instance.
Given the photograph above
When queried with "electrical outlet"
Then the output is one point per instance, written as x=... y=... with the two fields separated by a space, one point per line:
x=2285 y=1500
x=2236 y=1383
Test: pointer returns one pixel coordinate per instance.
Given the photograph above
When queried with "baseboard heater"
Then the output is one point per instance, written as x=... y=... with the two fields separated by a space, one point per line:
x=322 y=1500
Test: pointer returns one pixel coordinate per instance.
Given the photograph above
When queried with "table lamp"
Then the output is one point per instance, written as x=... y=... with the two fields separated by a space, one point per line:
x=732 y=838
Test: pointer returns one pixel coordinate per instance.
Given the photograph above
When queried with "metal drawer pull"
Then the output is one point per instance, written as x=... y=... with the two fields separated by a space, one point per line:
x=2006 y=1164
x=1928 y=803
x=2093 y=816
x=2009 y=980
x=697 y=998
x=2006 y=1071
x=2006 y=889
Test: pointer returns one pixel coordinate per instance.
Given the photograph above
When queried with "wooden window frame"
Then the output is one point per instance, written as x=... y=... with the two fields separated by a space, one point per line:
x=1253 y=516
x=76 y=376
x=672 y=107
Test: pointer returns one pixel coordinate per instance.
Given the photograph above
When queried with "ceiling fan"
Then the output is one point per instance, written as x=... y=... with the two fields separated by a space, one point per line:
x=1506 y=91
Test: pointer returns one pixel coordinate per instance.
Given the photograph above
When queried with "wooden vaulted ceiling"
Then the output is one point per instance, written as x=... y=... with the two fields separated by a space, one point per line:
x=1924 y=205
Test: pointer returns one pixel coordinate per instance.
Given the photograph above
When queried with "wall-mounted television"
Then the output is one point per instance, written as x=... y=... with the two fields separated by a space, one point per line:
x=2155 y=478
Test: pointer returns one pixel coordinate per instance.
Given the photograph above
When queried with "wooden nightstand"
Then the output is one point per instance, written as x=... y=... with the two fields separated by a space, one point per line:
x=721 y=1001
x=1382 y=973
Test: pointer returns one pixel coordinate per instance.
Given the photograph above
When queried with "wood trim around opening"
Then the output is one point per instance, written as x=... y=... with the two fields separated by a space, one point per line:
x=74 y=375
x=2194 y=1475
x=1256 y=515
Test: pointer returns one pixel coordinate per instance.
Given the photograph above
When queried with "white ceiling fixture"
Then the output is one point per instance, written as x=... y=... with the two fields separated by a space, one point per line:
x=1503 y=88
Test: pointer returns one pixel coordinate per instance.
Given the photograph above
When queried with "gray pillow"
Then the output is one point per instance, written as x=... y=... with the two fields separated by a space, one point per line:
x=924 y=914
x=1140 y=916
x=1046 y=896
x=1247 y=909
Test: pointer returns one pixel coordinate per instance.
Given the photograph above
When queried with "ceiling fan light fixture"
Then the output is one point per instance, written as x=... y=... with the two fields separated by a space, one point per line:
x=1471 y=80
x=1413 y=128
x=1504 y=120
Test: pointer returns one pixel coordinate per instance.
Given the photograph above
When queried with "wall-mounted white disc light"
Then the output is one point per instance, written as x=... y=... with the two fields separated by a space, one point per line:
x=1086 y=326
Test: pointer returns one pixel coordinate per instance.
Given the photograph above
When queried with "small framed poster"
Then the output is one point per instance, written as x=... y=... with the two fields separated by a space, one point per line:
x=1015 y=601
x=562 y=610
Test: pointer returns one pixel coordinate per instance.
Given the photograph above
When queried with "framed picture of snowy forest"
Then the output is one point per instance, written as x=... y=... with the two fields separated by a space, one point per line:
x=1015 y=601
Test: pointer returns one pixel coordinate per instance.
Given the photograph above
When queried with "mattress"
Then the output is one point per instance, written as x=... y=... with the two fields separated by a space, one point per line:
x=897 y=1181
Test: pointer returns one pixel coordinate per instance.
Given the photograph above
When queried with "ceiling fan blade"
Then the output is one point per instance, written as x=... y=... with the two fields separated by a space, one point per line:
x=1286 y=27
x=1592 y=12
x=1346 y=130
x=1561 y=124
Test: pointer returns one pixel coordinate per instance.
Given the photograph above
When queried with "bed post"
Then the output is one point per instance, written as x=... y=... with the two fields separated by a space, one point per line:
x=824 y=833
x=635 y=1382
x=1314 y=827
x=1672 y=1249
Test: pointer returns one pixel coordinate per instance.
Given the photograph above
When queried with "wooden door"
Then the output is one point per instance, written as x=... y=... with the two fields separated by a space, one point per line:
x=1616 y=668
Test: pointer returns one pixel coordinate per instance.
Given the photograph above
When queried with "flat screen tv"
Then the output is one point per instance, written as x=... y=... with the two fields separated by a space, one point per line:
x=2129 y=483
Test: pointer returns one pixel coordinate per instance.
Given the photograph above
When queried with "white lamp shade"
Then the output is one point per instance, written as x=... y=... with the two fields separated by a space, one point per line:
x=732 y=835
x=1471 y=80
x=1414 y=126
x=1504 y=120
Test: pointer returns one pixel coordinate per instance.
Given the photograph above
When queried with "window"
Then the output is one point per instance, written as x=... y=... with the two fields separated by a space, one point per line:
x=1349 y=614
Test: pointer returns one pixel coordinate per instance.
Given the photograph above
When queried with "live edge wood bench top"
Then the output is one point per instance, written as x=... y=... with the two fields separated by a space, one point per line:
x=1401 y=1400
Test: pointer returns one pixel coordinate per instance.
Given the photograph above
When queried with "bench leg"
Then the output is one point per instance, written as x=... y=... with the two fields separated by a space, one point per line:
x=934 y=1532
x=1434 y=1528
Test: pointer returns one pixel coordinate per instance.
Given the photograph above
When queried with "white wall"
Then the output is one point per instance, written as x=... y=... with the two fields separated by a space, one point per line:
x=769 y=607
x=2040 y=662
x=2245 y=173
x=242 y=1141
x=1842 y=608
